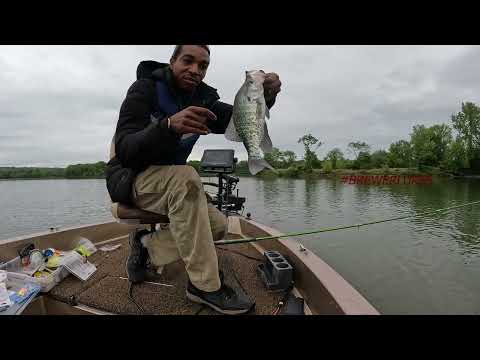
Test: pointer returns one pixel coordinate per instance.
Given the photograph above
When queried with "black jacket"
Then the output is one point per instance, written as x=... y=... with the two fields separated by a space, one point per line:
x=140 y=143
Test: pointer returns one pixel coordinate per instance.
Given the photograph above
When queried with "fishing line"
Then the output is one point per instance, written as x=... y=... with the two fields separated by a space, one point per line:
x=247 y=240
x=240 y=254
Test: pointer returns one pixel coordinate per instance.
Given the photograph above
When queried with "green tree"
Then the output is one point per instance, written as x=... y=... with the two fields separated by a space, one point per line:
x=288 y=158
x=379 y=158
x=442 y=137
x=400 y=154
x=429 y=144
x=335 y=155
x=96 y=170
x=310 y=158
x=422 y=146
x=327 y=166
x=467 y=124
x=274 y=158
x=356 y=147
x=345 y=164
x=456 y=156
x=280 y=159
x=363 y=161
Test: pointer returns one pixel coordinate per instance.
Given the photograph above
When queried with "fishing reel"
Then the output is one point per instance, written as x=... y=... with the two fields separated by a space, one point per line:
x=222 y=163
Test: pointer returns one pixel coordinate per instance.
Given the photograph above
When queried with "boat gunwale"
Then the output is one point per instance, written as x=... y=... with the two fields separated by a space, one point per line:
x=94 y=232
x=57 y=230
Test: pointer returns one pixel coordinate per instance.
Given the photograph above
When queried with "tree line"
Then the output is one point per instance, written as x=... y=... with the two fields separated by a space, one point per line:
x=451 y=148
x=454 y=149
x=77 y=171
x=30 y=173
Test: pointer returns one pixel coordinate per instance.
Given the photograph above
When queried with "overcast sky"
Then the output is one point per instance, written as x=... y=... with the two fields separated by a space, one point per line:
x=59 y=104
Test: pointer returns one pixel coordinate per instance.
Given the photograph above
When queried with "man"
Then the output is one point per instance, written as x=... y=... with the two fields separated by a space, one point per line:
x=163 y=115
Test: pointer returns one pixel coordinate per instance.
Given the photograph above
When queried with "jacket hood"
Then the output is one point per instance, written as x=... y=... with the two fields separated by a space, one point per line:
x=146 y=68
x=155 y=70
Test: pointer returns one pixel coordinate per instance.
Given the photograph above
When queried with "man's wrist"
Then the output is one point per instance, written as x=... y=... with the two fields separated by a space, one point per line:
x=164 y=123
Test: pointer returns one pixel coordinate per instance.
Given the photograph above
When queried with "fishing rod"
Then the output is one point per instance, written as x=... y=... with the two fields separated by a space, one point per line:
x=254 y=239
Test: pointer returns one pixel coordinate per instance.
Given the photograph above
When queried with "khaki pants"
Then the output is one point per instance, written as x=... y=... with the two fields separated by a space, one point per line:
x=177 y=191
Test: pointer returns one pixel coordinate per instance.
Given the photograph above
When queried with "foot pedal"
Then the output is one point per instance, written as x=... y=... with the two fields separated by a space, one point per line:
x=276 y=273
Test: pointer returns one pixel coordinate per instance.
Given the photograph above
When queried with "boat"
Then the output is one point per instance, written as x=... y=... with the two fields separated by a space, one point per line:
x=316 y=289
x=323 y=290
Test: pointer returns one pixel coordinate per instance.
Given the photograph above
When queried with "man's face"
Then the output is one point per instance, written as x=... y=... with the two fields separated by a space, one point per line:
x=190 y=67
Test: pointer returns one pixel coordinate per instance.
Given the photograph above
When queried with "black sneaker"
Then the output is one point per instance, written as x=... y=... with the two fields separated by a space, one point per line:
x=225 y=300
x=137 y=259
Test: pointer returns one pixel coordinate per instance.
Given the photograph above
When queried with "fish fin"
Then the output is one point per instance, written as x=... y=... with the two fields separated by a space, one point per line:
x=257 y=165
x=262 y=109
x=231 y=133
x=266 y=144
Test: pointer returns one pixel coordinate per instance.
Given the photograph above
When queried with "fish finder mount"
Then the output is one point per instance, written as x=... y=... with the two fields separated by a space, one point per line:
x=222 y=163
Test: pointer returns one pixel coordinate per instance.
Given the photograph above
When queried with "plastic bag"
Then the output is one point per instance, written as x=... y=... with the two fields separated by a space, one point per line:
x=85 y=247
x=24 y=293
x=5 y=301
x=35 y=263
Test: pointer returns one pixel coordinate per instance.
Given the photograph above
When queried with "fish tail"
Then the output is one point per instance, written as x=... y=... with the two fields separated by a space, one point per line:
x=256 y=165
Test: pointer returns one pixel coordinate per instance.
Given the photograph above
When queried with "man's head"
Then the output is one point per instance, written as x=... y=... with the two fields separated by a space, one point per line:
x=189 y=64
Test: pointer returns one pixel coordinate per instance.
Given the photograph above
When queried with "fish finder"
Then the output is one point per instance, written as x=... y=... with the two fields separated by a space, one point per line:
x=218 y=161
x=221 y=163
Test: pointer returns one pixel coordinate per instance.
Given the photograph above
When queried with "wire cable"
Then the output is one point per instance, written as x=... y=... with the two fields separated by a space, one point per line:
x=130 y=296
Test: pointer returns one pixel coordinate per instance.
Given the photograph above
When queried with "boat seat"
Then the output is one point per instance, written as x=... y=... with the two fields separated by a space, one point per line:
x=130 y=215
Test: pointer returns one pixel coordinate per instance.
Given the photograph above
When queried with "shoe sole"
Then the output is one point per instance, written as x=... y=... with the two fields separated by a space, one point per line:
x=199 y=300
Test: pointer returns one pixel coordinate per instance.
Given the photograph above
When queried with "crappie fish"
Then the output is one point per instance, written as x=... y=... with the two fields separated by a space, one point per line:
x=248 y=123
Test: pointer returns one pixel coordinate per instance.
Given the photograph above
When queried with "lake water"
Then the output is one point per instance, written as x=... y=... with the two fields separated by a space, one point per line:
x=413 y=266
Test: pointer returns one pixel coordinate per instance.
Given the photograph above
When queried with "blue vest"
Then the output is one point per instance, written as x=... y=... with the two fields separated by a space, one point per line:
x=169 y=107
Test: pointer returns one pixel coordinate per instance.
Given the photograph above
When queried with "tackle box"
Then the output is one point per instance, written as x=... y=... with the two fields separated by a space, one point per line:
x=13 y=267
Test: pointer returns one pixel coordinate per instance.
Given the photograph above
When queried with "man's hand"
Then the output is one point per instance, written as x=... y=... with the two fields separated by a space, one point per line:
x=192 y=120
x=271 y=86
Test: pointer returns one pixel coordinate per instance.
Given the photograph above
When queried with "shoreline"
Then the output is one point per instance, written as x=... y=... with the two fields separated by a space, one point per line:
x=53 y=178
x=293 y=173
x=338 y=173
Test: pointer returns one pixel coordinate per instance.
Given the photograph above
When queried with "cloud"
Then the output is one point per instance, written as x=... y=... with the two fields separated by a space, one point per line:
x=59 y=104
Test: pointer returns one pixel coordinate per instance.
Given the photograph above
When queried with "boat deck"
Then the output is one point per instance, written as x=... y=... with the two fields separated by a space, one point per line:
x=107 y=292
x=108 y=289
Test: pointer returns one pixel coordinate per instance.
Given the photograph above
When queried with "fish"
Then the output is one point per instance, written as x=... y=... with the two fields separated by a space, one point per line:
x=248 y=124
